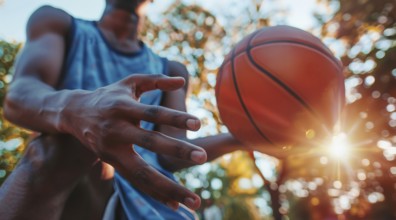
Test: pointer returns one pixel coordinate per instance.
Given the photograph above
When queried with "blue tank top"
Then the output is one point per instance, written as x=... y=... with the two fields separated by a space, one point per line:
x=91 y=63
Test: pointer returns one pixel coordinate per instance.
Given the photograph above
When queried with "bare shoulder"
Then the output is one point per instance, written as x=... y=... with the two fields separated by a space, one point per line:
x=48 y=19
x=47 y=31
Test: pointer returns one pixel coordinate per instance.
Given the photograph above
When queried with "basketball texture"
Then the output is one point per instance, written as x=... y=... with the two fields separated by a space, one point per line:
x=280 y=86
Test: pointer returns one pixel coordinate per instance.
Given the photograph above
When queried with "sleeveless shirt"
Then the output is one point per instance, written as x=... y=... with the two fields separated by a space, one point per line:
x=91 y=62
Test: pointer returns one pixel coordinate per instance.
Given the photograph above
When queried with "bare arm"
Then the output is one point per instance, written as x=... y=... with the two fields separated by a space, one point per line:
x=51 y=165
x=105 y=121
x=32 y=101
x=214 y=146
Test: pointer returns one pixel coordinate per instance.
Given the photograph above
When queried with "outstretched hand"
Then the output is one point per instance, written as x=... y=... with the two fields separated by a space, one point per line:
x=107 y=122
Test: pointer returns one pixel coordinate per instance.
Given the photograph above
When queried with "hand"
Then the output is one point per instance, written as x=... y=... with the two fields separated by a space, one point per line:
x=107 y=122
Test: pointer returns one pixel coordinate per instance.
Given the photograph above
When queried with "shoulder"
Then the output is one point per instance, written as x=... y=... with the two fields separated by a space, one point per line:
x=48 y=19
x=177 y=69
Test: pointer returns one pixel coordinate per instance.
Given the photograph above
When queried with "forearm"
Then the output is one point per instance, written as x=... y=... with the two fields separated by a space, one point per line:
x=215 y=146
x=34 y=105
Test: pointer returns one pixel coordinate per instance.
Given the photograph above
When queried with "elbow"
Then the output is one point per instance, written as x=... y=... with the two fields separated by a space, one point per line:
x=10 y=109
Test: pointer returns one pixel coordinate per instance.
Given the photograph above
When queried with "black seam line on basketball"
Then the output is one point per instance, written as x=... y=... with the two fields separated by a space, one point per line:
x=278 y=81
x=219 y=78
x=242 y=102
x=294 y=42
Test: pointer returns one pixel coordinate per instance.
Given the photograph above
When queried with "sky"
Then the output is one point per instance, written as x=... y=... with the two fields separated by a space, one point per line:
x=15 y=13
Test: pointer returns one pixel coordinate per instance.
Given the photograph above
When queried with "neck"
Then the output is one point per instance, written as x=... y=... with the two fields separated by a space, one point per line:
x=122 y=24
x=120 y=28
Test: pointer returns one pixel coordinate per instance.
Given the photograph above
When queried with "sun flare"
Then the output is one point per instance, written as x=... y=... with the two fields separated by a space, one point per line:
x=339 y=146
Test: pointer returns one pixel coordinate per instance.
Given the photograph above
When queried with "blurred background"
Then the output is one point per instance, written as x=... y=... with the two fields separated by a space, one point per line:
x=352 y=178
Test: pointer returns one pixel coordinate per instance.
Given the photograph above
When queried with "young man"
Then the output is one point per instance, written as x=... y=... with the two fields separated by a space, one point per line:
x=92 y=90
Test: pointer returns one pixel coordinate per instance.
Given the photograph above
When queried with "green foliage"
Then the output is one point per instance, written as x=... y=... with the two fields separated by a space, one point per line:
x=8 y=53
x=368 y=32
x=12 y=138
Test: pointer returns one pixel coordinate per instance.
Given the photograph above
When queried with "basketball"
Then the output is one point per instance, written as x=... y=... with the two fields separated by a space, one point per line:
x=279 y=87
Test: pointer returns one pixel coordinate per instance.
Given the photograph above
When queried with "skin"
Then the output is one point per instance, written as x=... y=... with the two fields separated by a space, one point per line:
x=68 y=168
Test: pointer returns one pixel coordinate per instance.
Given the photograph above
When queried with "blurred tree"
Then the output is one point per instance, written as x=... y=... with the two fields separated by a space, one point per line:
x=238 y=208
x=317 y=180
x=358 y=180
x=310 y=183
x=12 y=138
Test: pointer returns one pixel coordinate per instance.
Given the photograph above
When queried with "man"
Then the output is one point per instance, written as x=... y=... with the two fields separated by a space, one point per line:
x=92 y=90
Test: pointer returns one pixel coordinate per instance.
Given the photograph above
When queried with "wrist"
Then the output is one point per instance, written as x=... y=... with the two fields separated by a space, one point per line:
x=71 y=103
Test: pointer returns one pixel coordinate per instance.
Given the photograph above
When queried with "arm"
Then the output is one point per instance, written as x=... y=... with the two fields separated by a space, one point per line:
x=214 y=146
x=105 y=121
x=38 y=187
x=32 y=101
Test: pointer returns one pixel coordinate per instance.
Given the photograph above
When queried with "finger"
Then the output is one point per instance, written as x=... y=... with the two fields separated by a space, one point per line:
x=143 y=82
x=145 y=178
x=162 y=144
x=164 y=200
x=161 y=115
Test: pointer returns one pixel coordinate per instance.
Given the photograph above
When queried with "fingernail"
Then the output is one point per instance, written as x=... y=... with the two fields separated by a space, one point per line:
x=190 y=203
x=198 y=156
x=173 y=205
x=193 y=124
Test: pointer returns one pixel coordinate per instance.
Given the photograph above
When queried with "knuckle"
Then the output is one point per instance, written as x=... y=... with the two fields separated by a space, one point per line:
x=108 y=133
x=152 y=112
x=179 y=119
x=142 y=175
x=131 y=80
x=99 y=143
x=182 y=152
x=118 y=103
x=114 y=106
x=176 y=194
x=34 y=155
x=105 y=154
x=148 y=141
x=107 y=130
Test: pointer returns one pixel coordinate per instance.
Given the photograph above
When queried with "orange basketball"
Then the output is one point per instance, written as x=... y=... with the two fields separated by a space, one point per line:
x=280 y=86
